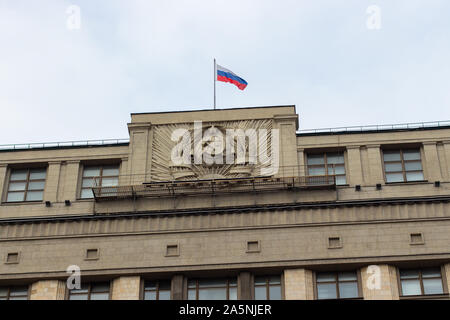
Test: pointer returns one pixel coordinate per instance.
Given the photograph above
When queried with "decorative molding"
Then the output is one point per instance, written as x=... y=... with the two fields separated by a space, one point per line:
x=162 y=168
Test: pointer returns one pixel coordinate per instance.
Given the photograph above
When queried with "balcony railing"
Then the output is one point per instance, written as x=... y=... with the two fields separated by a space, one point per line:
x=213 y=186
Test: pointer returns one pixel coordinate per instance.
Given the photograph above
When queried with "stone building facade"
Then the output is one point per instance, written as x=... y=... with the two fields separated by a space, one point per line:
x=360 y=214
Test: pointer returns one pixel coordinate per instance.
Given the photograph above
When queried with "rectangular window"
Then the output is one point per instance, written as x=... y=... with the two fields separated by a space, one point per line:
x=403 y=165
x=157 y=290
x=337 y=285
x=212 y=289
x=26 y=185
x=91 y=291
x=14 y=293
x=268 y=288
x=327 y=164
x=98 y=176
x=418 y=282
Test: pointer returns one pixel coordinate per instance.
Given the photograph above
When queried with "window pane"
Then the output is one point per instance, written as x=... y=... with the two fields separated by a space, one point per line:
x=275 y=292
x=316 y=171
x=260 y=293
x=164 y=295
x=18 y=298
x=348 y=290
x=206 y=283
x=37 y=174
x=192 y=284
x=15 y=196
x=100 y=287
x=275 y=279
x=326 y=291
x=164 y=285
x=212 y=294
x=394 y=177
x=390 y=167
x=431 y=272
x=99 y=296
x=91 y=172
x=411 y=155
x=414 y=176
x=38 y=185
x=260 y=280
x=19 y=291
x=3 y=291
x=339 y=169
x=111 y=171
x=15 y=186
x=340 y=180
x=150 y=295
x=409 y=274
x=191 y=294
x=233 y=294
x=34 y=196
x=88 y=183
x=326 y=277
x=78 y=297
x=432 y=286
x=316 y=159
x=108 y=182
x=413 y=166
x=411 y=287
x=19 y=175
x=86 y=193
x=345 y=276
x=391 y=156
x=334 y=158
x=84 y=288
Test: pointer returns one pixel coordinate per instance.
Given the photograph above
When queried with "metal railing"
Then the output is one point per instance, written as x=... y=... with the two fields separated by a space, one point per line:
x=103 y=142
x=212 y=186
x=65 y=144
x=383 y=127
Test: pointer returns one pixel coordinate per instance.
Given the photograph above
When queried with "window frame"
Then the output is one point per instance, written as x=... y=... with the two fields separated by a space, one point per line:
x=101 y=166
x=8 y=296
x=267 y=285
x=402 y=161
x=27 y=183
x=90 y=283
x=227 y=287
x=336 y=273
x=423 y=295
x=157 y=290
x=325 y=164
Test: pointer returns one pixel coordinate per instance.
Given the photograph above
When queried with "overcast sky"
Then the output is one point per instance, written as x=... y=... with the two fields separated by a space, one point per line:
x=59 y=84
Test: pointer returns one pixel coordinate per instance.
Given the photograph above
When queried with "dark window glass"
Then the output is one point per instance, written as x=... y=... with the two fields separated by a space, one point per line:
x=212 y=289
x=91 y=291
x=337 y=285
x=268 y=288
x=14 y=293
x=417 y=282
x=157 y=290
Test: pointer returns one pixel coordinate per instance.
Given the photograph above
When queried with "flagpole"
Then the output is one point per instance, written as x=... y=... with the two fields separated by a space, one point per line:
x=215 y=73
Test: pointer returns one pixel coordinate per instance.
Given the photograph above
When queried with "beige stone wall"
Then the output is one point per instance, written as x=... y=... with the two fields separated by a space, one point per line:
x=126 y=288
x=298 y=284
x=446 y=277
x=48 y=290
x=385 y=289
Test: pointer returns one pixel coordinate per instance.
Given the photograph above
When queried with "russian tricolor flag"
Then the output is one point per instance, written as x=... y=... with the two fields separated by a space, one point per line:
x=226 y=75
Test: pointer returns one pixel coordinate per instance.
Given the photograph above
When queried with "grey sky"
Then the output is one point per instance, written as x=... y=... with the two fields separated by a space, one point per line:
x=147 y=56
